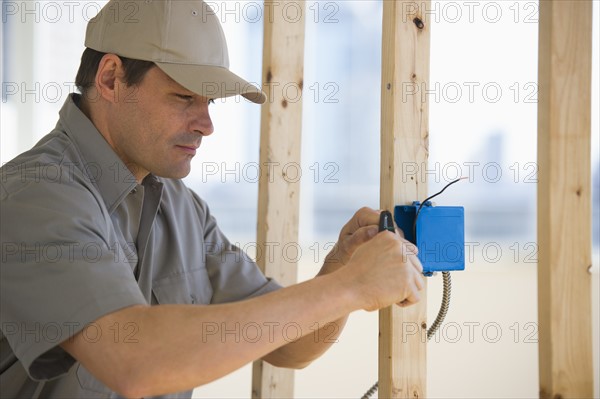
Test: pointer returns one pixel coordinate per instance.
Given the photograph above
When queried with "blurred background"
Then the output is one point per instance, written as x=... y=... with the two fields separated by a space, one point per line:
x=483 y=120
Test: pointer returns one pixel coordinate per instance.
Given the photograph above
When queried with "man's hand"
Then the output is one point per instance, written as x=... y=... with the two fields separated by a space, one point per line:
x=385 y=271
x=384 y=265
x=361 y=228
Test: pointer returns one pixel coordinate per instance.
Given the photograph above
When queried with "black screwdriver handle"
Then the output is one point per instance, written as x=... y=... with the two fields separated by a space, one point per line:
x=386 y=222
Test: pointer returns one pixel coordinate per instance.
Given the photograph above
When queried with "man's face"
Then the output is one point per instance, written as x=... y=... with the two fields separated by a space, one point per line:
x=157 y=125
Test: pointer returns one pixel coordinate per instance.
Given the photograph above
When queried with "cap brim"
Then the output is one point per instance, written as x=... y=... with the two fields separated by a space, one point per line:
x=212 y=81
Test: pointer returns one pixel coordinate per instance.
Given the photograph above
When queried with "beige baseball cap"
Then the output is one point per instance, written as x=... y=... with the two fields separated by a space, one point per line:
x=184 y=38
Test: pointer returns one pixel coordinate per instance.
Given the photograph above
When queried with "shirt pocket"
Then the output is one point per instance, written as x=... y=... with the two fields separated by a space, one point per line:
x=191 y=287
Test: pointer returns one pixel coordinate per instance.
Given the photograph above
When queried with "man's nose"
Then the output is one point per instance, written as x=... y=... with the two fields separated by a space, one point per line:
x=201 y=121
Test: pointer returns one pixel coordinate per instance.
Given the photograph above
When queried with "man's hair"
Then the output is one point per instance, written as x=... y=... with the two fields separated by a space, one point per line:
x=135 y=70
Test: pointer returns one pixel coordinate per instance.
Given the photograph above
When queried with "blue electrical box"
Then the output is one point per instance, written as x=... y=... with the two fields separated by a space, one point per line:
x=440 y=235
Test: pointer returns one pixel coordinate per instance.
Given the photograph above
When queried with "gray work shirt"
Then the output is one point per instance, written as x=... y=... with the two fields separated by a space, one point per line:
x=80 y=239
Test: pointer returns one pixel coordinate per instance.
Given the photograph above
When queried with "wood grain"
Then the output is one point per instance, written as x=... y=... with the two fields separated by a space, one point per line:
x=404 y=149
x=564 y=199
x=279 y=184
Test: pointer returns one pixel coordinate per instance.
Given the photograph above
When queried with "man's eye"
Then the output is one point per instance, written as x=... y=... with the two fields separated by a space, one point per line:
x=185 y=97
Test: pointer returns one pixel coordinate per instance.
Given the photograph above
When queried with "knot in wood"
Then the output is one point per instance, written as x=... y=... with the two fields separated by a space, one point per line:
x=419 y=22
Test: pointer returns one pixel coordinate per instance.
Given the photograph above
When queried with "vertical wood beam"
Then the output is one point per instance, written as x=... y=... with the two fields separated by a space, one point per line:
x=404 y=147
x=564 y=199
x=280 y=142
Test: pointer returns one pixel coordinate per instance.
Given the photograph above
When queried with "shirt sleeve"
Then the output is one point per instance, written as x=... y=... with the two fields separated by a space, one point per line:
x=234 y=276
x=61 y=269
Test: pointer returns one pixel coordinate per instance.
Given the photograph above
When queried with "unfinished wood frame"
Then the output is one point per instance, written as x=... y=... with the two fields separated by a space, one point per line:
x=404 y=146
x=280 y=143
x=564 y=199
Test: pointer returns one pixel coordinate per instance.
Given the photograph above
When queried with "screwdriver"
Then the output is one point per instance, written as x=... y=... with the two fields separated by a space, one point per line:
x=386 y=222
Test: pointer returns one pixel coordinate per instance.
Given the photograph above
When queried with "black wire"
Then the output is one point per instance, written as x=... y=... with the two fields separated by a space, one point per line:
x=428 y=199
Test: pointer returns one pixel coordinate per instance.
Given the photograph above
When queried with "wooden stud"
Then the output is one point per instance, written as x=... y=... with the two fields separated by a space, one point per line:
x=279 y=184
x=404 y=153
x=564 y=199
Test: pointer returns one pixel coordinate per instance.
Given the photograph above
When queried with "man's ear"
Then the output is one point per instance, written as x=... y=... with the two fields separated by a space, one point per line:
x=109 y=78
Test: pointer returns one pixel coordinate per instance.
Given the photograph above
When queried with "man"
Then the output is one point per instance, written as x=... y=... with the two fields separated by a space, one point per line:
x=115 y=278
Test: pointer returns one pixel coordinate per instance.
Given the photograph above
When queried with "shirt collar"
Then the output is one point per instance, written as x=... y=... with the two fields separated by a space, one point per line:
x=102 y=165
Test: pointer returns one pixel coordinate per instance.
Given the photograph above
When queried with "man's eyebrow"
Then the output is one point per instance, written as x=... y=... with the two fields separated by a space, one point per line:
x=182 y=90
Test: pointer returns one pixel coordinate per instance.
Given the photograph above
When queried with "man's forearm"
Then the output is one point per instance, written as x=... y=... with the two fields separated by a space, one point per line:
x=301 y=353
x=178 y=347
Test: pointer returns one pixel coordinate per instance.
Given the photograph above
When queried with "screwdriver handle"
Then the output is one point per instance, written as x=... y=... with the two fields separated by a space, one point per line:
x=386 y=222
